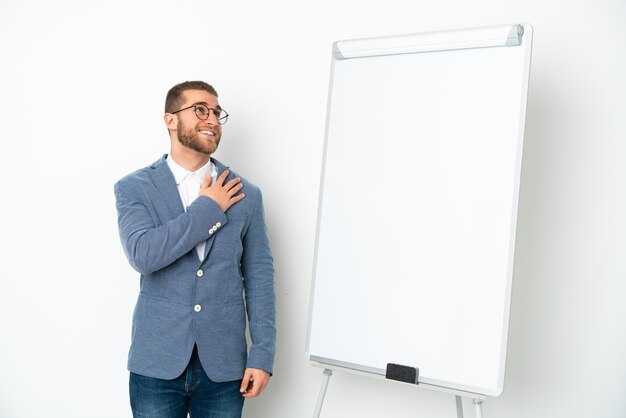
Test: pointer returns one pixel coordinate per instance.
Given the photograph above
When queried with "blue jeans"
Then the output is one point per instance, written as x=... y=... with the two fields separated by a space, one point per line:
x=192 y=392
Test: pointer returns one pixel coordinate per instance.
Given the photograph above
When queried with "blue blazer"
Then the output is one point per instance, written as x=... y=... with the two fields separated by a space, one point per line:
x=183 y=301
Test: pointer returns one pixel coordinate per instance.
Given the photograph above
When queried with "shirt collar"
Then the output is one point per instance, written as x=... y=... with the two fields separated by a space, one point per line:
x=181 y=173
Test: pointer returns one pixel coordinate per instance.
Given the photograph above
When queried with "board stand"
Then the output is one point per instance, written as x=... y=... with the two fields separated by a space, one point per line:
x=459 y=406
x=322 y=394
x=478 y=408
x=478 y=402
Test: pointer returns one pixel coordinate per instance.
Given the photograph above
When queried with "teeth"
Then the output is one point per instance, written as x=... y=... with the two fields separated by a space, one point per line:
x=207 y=133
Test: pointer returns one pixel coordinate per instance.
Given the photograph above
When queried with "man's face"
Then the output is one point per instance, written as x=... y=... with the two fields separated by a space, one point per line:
x=199 y=135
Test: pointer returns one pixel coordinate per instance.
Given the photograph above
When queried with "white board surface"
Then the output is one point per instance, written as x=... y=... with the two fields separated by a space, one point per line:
x=417 y=214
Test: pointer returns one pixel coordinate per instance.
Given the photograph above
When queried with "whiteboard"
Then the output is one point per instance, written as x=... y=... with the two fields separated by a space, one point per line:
x=417 y=209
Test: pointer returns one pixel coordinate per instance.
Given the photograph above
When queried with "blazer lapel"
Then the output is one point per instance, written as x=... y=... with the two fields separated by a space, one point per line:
x=166 y=185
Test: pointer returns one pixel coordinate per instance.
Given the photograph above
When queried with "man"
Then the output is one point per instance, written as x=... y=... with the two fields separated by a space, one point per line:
x=200 y=244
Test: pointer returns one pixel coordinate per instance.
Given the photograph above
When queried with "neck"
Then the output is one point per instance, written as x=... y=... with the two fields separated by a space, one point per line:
x=188 y=158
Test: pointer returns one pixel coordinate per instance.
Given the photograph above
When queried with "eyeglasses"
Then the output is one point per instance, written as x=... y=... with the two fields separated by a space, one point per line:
x=203 y=112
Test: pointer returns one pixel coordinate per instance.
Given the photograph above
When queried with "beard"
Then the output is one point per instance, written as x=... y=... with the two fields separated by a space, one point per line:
x=195 y=140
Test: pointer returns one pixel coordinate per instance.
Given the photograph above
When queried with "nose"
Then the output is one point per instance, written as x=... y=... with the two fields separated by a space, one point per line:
x=213 y=118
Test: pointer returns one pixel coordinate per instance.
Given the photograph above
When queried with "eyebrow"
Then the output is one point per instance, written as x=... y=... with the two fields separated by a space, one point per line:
x=208 y=105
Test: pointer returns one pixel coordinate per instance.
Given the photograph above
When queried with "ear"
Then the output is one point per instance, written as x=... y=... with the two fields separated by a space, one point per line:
x=170 y=121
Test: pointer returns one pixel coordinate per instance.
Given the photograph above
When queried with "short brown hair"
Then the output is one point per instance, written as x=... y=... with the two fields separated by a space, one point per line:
x=174 y=97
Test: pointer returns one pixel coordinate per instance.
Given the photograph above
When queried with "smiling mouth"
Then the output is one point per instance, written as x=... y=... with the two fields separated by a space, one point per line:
x=207 y=133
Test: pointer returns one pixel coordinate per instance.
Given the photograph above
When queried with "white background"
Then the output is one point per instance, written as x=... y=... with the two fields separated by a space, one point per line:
x=83 y=85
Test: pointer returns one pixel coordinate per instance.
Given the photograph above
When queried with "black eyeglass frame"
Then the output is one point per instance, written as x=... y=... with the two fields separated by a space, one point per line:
x=221 y=120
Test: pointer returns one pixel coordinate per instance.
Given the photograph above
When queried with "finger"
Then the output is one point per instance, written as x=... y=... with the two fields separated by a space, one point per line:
x=253 y=390
x=237 y=198
x=235 y=189
x=222 y=178
x=245 y=382
x=206 y=182
x=258 y=382
x=232 y=183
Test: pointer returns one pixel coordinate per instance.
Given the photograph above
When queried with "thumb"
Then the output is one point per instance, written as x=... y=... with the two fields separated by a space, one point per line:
x=245 y=382
x=206 y=182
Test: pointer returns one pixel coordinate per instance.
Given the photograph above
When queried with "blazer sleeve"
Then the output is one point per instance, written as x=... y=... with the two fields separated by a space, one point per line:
x=150 y=244
x=258 y=273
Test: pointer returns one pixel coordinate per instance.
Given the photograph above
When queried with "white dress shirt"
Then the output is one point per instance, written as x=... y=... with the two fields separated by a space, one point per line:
x=188 y=184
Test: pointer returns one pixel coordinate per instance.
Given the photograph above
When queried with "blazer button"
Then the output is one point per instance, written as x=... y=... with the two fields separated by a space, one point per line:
x=199 y=273
x=211 y=231
x=197 y=308
x=217 y=225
